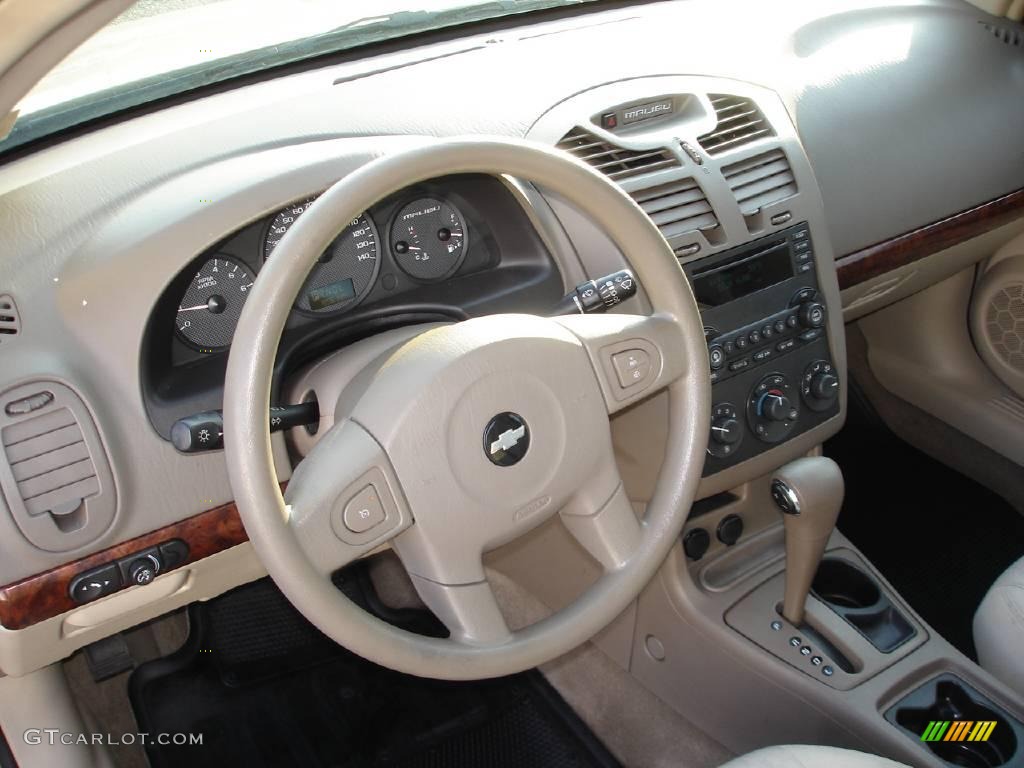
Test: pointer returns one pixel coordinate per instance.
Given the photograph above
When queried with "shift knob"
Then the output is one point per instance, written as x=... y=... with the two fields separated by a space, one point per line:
x=809 y=492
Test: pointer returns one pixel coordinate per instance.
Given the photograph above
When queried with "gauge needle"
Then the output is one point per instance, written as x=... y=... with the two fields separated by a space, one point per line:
x=193 y=309
x=414 y=248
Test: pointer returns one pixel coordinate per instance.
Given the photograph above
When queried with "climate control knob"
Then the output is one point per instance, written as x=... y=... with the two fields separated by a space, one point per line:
x=819 y=386
x=726 y=430
x=772 y=408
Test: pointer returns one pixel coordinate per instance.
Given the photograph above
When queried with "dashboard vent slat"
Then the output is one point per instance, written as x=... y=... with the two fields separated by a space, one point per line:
x=10 y=321
x=739 y=122
x=677 y=207
x=760 y=180
x=615 y=162
x=50 y=461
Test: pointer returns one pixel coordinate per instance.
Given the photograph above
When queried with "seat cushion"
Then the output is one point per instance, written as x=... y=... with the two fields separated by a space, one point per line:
x=999 y=628
x=808 y=756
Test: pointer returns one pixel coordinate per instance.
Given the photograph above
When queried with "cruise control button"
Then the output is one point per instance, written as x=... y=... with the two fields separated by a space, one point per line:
x=631 y=367
x=363 y=511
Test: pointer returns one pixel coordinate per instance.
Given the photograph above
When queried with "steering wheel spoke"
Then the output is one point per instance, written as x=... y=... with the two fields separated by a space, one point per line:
x=633 y=356
x=607 y=527
x=344 y=499
x=470 y=611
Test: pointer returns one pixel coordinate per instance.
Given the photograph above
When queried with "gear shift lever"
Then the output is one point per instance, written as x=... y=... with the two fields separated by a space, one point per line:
x=809 y=492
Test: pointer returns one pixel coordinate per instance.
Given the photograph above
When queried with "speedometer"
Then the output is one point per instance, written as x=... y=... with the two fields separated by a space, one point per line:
x=345 y=272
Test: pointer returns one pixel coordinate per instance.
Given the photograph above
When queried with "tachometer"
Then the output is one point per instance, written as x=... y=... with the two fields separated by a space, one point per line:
x=345 y=272
x=210 y=308
x=428 y=238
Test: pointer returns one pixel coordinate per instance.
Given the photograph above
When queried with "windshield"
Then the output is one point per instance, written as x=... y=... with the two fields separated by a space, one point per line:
x=159 y=48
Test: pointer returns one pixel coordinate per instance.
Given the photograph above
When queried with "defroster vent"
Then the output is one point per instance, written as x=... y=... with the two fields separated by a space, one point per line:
x=615 y=162
x=739 y=122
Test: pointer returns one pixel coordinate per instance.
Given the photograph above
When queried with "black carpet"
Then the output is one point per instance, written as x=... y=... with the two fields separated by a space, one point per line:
x=265 y=688
x=940 y=538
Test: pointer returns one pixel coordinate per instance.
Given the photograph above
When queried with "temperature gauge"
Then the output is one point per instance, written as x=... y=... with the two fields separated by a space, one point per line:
x=428 y=239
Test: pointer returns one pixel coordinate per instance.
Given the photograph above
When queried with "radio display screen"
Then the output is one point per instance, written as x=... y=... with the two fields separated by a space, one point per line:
x=735 y=281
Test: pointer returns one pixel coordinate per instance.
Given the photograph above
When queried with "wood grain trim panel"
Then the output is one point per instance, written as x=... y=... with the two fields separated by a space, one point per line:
x=45 y=595
x=877 y=259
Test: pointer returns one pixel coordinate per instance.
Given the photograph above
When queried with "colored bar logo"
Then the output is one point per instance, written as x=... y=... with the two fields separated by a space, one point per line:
x=958 y=730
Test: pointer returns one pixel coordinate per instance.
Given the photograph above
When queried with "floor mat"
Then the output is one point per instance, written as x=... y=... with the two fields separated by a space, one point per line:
x=265 y=688
x=940 y=538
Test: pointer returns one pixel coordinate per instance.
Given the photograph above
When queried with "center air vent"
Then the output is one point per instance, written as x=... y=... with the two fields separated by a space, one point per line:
x=677 y=207
x=10 y=324
x=760 y=180
x=739 y=122
x=615 y=162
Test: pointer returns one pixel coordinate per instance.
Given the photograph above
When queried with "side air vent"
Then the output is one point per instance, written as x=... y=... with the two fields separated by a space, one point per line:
x=739 y=122
x=677 y=207
x=10 y=322
x=615 y=162
x=1006 y=34
x=760 y=180
x=51 y=464
x=54 y=471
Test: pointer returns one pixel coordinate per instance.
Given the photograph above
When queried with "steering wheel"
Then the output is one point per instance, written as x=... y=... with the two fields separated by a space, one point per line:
x=471 y=434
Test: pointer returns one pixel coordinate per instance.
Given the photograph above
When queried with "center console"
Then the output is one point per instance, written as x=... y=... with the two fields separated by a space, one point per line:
x=772 y=368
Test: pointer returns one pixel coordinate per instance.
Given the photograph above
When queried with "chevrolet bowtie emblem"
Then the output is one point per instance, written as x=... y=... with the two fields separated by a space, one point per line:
x=506 y=439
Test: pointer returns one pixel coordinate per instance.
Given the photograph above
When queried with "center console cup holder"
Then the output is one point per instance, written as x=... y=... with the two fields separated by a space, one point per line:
x=947 y=698
x=857 y=598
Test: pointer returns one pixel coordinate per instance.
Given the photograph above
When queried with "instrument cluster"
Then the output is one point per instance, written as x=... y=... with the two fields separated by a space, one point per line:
x=426 y=241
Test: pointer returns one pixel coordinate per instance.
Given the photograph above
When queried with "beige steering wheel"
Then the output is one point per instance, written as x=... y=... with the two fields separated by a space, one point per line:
x=472 y=434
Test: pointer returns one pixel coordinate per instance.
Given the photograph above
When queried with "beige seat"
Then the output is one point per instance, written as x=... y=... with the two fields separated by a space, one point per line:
x=999 y=628
x=807 y=756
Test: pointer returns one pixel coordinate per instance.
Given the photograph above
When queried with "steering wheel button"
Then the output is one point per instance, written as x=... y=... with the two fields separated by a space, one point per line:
x=632 y=367
x=364 y=511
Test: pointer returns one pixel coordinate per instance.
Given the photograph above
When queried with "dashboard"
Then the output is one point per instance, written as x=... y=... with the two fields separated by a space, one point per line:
x=129 y=249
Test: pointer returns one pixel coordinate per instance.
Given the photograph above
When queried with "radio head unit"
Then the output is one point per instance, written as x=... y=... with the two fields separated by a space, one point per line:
x=768 y=349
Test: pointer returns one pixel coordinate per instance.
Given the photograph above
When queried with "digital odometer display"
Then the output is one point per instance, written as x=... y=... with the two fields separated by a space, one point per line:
x=760 y=271
x=335 y=293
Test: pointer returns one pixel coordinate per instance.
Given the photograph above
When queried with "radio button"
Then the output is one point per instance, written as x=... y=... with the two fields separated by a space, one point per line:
x=739 y=365
x=811 y=335
x=785 y=346
x=804 y=268
x=730 y=347
x=792 y=321
x=804 y=294
x=741 y=342
x=803 y=245
x=755 y=337
x=800 y=234
x=716 y=356
x=767 y=332
x=780 y=326
x=763 y=354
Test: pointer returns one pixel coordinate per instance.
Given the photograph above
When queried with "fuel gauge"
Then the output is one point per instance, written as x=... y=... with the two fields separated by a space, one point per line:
x=428 y=239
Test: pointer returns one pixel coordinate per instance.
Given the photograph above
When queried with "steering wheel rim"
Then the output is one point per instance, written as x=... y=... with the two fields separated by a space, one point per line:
x=247 y=398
